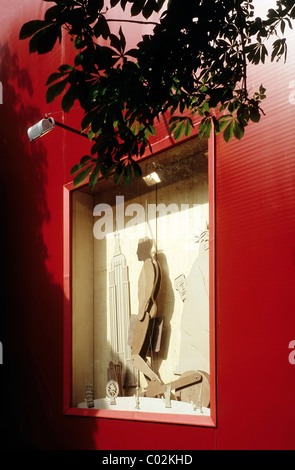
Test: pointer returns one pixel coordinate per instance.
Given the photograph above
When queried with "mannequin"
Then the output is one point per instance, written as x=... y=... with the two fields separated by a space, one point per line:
x=148 y=289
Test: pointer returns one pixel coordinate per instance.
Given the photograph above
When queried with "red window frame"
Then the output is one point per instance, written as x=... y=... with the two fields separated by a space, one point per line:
x=197 y=420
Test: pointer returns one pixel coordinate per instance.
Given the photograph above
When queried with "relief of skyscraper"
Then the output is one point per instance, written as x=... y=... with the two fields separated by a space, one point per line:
x=119 y=292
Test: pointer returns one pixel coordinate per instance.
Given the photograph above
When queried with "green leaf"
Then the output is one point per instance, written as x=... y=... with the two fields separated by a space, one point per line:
x=87 y=119
x=179 y=131
x=151 y=130
x=208 y=128
x=115 y=42
x=55 y=90
x=75 y=169
x=66 y=68
x=262 y=90
x=90 y=134
x=127 y=175
x=137 y=7
x=94 y=176
x=84 y=161
x=142 y=148
x=238 y=130
x=136 y=169
x=69 y=99
x=78 y=59
x=118 y=173
x=222 y=123
x=81 y=177
x=132 y=53
x=254 y=115
x=93 y=6
x=202 y=128
x=102 y=28
x=229 y=131
x=122 y=39
x=44 y=40
x=79 y=42
x=53 y=77
x=160 y=4
x=174 y=119
x=31 y=27
x=188 y=127
x=52 y=13
x=149 y=8
x=106 y=170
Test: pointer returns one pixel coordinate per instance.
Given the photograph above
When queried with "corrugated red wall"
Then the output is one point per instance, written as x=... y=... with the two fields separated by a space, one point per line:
x=255 y=269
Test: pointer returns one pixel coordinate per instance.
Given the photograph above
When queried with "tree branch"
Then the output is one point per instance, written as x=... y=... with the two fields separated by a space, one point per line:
x=132 y=21
x=240 y=14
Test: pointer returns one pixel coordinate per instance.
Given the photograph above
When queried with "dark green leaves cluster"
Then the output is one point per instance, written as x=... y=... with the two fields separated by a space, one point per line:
x=194 y=62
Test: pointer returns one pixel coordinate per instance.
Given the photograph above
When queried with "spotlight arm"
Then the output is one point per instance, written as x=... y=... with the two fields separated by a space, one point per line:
x=46 y=125
x=68 y=128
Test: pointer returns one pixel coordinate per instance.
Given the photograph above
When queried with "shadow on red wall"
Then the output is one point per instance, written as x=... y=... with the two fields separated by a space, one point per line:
x=31 y=304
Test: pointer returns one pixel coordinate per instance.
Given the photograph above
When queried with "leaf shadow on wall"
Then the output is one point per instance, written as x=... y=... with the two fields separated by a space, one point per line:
x=32 y=304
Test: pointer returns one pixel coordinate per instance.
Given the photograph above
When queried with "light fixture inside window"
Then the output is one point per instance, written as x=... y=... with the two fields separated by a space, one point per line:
x=152 y=178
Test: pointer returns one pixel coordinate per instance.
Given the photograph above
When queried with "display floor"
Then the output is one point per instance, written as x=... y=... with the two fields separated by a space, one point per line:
x=147 y=404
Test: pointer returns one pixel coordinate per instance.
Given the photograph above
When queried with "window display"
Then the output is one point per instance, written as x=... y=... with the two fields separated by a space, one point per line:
x=140 y=289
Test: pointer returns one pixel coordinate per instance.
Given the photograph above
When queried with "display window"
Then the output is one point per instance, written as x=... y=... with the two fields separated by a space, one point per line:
x=139 y=292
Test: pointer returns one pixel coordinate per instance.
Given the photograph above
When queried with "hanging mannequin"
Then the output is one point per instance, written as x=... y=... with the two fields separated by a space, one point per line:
x=148 y=288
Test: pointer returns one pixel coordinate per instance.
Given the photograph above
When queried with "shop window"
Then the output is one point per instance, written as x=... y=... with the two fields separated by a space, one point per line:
x=139 y=313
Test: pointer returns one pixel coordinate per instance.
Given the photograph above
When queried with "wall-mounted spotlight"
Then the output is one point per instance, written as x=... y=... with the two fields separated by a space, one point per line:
x=46 y=125
x=41 y=128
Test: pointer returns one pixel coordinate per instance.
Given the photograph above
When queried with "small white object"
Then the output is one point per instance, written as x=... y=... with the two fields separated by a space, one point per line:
x=112 y=391
x=89 y=396
x=137 y=403
x=168 y=396
x=181 y=286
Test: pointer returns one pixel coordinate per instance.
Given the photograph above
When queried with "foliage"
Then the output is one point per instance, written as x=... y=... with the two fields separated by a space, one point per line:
x=194 y=61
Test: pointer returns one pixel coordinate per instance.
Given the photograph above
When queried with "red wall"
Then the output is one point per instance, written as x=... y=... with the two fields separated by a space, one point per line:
x=255 y=270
